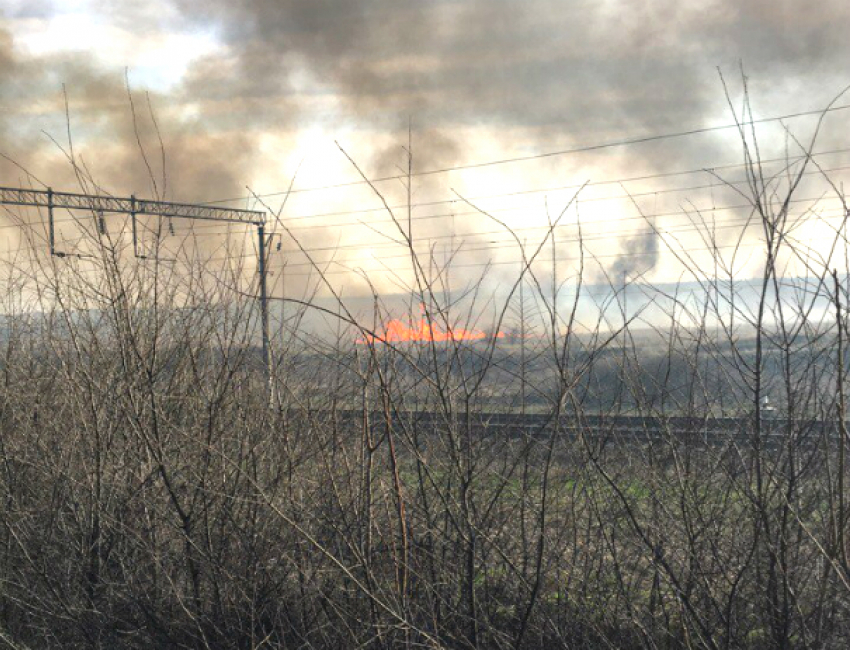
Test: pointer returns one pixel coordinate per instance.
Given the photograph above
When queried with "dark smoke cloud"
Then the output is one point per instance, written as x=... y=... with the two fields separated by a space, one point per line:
x=430 y=148
x=639 y=255
x=7 y=77
x=202 y=159
x=534 y=75
x=564 y=72
x=538 y=62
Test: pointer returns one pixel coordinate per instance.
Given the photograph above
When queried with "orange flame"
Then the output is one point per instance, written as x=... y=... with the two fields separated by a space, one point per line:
x=396 y=331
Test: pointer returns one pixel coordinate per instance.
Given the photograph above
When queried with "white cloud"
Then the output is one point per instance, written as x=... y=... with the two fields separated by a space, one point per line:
x=157 y=61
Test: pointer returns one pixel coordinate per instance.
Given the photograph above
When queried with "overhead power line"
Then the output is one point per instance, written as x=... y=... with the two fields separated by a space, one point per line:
x=718 y=186
x=508 y=245
x=524 y=229
x=548 y=154
x=562 y=188
x=440 y=215
x=427 y=241
x=542 y=260
x=501 y=245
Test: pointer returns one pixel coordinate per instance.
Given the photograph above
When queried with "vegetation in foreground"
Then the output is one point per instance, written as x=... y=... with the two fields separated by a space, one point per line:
x=159 y=491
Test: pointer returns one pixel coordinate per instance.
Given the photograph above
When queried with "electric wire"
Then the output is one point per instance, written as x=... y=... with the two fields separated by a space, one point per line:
x=550 y=154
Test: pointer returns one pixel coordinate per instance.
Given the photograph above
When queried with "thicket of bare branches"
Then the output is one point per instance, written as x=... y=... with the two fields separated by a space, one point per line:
x=157 y=491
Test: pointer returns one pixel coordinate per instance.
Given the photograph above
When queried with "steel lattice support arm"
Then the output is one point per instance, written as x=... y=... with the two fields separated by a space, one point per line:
x=131 y=205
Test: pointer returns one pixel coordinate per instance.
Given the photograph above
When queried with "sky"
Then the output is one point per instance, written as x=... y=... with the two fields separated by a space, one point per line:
x=252 y=96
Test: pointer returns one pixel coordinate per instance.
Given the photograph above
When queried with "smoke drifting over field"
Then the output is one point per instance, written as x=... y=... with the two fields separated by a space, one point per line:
x=535 y=63
x=578 y=70
x=237 y=85
x=201 y=159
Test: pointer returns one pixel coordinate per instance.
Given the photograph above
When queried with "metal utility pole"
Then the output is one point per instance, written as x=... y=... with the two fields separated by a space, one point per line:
x=264 y=300
x=51 y=227
x=101 y=205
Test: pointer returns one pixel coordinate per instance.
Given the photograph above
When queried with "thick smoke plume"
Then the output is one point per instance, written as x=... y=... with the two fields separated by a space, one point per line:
x=476 y=80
